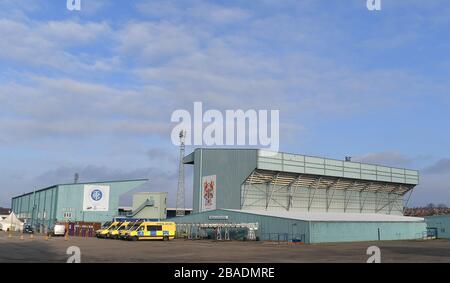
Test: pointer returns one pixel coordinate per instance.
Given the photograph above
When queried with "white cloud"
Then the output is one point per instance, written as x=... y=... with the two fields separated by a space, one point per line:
x=434 y=184
x=67 y=108
x=433 y=188
x=152 y=42
x=220 y=15
x=71 y=33
x=202 y=11
x=388 y=158
x=47 y=44
x=442 y=166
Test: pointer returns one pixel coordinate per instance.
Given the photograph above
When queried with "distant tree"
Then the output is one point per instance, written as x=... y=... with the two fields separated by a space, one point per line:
x=431 y=205
x=441 y=205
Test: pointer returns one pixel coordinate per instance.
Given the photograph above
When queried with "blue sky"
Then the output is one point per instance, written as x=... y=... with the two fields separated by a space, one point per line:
x=92 y=91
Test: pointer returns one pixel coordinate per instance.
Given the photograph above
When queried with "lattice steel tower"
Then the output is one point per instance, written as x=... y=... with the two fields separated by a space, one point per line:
x=180 y=193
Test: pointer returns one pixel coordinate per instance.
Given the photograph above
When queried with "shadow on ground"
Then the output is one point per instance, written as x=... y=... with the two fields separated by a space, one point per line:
x=28 y=251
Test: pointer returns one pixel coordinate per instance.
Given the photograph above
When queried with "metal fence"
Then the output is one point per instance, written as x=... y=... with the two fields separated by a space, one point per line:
x=217 y=231
x=283 y=237
x=82 y=229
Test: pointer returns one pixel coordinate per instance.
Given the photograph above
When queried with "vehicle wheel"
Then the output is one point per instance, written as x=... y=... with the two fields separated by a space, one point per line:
x=165 y=238
x=134 y=238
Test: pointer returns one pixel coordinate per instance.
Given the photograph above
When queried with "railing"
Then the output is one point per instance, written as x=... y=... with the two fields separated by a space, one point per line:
x=283 y=238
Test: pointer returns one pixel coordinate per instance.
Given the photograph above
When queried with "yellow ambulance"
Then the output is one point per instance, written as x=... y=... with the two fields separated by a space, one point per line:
x=153 y=231
x=104 y=233
x=132 y=227
x=114 y=233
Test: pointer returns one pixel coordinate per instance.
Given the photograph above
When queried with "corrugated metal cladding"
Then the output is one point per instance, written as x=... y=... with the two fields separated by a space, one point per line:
x=441 y=223
x=231 y=167
x=63 y=202
x=269 y=227
x=252 y=180
x=297 y=163
x=255 y=179
x=323 y=232
x=273 y=228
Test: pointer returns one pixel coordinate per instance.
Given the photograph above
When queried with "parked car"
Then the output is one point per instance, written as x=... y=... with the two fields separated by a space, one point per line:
x=28 y=229
x=59 y=230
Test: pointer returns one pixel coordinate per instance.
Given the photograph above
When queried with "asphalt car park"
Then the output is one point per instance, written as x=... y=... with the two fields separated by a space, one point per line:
x=39 y=249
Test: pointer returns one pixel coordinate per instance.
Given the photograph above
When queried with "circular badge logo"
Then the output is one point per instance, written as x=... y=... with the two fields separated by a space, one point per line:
x=96 y=195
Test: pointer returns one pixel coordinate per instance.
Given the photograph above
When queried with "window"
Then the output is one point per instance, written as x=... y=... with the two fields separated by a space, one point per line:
x=67 y=215
x=153 y=228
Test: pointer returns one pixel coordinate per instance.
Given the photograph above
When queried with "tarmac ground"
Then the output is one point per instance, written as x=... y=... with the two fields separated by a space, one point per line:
x=38 y=249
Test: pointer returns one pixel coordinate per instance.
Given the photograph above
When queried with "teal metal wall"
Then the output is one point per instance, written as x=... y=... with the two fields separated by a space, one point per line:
x=38 y=208
x=327 y=232
x=314 y=232
x=441 y=223
x=231 y=166
x=269 y=227
x=45 y=207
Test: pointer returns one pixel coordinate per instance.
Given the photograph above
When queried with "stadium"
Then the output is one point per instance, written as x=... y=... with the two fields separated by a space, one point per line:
x=299 y=198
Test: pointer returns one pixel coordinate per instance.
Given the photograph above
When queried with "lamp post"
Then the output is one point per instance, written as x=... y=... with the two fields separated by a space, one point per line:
x=33 y=208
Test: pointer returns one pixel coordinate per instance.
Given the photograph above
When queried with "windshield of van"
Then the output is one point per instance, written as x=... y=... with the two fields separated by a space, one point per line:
x=106 y=225
x=124 y=227
x=135 y=226
x=113 y=227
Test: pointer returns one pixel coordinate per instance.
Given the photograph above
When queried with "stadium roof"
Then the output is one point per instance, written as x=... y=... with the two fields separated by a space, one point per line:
x=300 y=180
x=296 y=163
x=311 y=165
x=296 y=171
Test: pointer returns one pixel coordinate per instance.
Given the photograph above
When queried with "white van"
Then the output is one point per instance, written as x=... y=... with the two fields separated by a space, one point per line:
x=59 y=230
